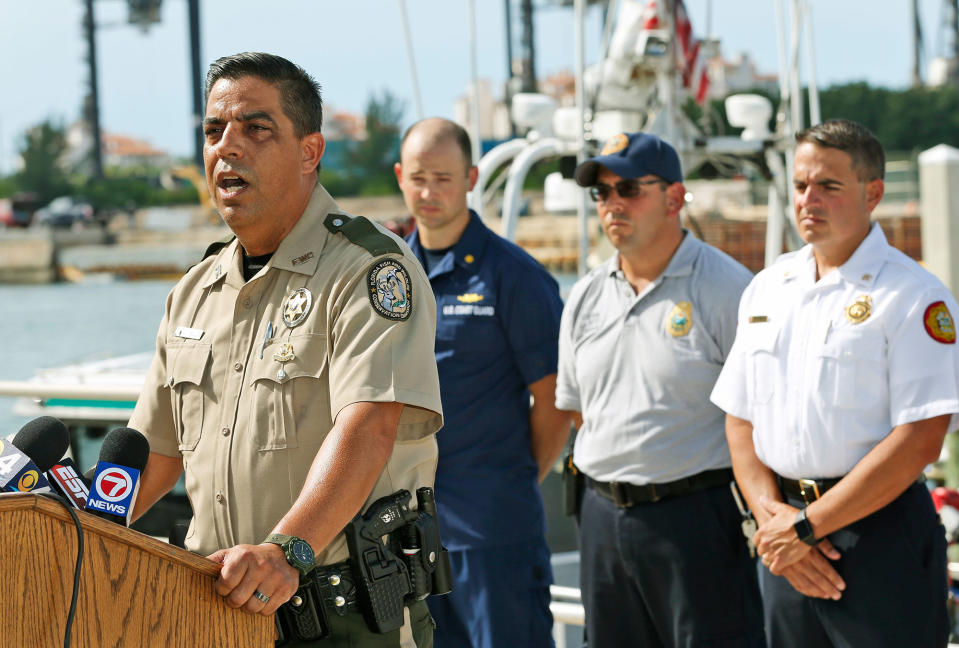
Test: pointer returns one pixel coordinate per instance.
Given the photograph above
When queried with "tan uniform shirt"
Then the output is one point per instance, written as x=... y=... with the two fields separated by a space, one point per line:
x=248 y=425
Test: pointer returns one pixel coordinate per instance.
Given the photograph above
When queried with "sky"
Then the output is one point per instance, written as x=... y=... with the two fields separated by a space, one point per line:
x=357 y=48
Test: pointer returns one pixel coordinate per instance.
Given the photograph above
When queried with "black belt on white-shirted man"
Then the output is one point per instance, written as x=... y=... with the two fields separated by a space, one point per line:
x=625 y=494
x=808 y=490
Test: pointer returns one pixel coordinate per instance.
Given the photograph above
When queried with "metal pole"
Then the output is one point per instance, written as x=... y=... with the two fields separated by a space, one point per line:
x=417 y=101
x=815 y=117
x=474 y=85
x=582 y=207
x=796 y=105
x=93 y=109
x=916 y=45
x=509 y=66
x=193 y=8
x=529 y=45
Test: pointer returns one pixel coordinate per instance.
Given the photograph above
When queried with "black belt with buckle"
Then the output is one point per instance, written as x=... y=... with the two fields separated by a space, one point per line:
x=626 y=494
x=808 y=490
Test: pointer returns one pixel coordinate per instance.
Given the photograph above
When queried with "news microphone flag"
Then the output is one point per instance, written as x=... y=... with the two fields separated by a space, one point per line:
x=18 y=473
x=67 y=480
x=114 y=491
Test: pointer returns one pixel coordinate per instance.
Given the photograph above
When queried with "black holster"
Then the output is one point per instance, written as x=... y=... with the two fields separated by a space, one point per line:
x=574 y=482
x=396 y=558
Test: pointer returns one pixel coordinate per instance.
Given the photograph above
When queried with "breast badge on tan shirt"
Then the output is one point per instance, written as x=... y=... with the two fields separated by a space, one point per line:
x=680 y=319
x=297 y=307
x=939 y=324
x=860 y=310
x=391 y=291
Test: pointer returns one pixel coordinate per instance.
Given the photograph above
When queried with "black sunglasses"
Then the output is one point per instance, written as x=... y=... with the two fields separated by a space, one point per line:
x=625 y=189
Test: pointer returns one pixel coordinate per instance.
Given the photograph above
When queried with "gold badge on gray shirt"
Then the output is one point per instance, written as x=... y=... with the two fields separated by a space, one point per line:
x=680 y=319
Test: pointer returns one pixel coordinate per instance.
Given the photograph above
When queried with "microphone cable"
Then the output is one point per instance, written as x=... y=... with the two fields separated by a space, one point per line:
x=76 y=571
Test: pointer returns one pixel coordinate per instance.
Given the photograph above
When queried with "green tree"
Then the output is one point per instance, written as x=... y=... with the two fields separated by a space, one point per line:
x=41 y=149
x=371 y=160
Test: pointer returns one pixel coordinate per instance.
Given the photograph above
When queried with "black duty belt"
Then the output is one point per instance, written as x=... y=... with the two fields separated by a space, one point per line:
x=808 y=490
x=335 y=586
x=626 y=494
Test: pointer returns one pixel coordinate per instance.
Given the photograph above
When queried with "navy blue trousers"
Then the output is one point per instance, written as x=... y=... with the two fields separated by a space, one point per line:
x=894 y=565
x=500 y=598
x=668 y=574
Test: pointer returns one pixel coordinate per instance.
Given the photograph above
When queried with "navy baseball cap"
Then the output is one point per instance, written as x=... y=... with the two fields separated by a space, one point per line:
x=632 y=155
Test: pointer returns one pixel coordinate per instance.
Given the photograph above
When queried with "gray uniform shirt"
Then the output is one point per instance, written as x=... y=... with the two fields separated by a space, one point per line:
x=640 y=367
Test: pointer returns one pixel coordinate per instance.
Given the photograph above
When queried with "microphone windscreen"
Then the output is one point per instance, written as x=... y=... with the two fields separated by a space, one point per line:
x=126 y=447
x=45 y=440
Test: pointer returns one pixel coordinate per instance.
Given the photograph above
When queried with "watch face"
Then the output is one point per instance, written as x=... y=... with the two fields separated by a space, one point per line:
x=302 y=552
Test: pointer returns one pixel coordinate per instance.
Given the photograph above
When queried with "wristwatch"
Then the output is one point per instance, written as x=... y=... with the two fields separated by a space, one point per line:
x=298 y=552
x=804 y=529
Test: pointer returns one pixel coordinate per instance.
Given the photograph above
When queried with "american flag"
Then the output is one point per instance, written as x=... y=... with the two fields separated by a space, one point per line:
x=692 y=64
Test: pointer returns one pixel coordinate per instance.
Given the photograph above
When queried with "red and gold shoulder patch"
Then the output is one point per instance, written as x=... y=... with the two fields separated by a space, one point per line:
x=939 y=324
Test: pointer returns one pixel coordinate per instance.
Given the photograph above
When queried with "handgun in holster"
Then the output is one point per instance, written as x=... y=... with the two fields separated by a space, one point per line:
x=406 y=567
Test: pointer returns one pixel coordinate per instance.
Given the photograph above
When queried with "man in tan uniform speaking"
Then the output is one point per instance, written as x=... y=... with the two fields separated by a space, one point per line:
x=294 y=380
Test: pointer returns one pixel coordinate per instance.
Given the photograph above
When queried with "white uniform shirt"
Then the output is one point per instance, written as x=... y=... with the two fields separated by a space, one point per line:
x=824 y=370
x=640 y=367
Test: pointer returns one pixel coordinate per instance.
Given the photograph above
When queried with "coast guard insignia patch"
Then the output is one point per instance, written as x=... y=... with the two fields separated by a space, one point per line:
x=939 y=324
x=615 y=144
x=680 y=319
x=390 y=289
x=297 y=307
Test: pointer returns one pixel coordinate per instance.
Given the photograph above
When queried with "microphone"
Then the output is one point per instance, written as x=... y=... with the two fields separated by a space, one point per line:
x=65 y=478
x=33 y=451
x=123 y=456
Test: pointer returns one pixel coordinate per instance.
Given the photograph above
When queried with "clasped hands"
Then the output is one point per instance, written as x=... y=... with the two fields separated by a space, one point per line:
x=806 y=568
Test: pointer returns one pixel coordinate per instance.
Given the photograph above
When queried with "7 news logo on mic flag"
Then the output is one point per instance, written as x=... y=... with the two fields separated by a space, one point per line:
x=114 y=489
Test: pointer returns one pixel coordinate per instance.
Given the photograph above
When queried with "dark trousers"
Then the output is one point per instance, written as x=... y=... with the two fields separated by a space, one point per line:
x=668 y=574
x=500 y=598
x=894 y=565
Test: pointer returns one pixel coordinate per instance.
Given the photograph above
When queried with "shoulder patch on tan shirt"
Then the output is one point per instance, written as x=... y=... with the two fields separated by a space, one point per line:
x=360 y=231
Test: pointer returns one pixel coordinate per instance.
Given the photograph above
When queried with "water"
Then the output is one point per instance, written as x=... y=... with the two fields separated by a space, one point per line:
x=57 y=324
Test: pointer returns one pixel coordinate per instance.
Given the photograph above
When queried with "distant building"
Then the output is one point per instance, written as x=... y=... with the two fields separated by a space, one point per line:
x=341 y=130
x=737 y=74
x=494 y=121
x=123 y=151
x=119 y=151
x=343 y=125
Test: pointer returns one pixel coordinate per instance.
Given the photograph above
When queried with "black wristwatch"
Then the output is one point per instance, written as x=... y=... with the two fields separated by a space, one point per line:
x=804 y=529
x=298 y=552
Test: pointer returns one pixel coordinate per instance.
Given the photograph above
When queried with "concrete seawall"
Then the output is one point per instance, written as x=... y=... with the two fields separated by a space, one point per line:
x=26 y=257
x=167 y=242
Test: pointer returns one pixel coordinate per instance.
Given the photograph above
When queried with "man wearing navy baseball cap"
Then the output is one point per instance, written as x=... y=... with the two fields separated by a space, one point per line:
x=642 y=340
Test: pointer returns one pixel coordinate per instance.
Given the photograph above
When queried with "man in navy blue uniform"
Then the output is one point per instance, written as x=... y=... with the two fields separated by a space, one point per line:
x=498 y=314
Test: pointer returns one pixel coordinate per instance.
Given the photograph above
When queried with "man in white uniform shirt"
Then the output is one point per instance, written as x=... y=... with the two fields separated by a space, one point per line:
x=838 y=392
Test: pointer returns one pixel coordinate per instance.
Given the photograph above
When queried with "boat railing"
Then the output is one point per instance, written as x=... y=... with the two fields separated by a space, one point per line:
x=566 y=606
x=49 y=390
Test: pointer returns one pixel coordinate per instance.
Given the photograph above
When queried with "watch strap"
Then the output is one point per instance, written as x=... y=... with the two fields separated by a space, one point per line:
x=804 y=528
x=279 y=538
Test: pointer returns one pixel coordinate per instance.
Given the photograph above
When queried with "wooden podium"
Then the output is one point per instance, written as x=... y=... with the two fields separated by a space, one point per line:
x=134 y=590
